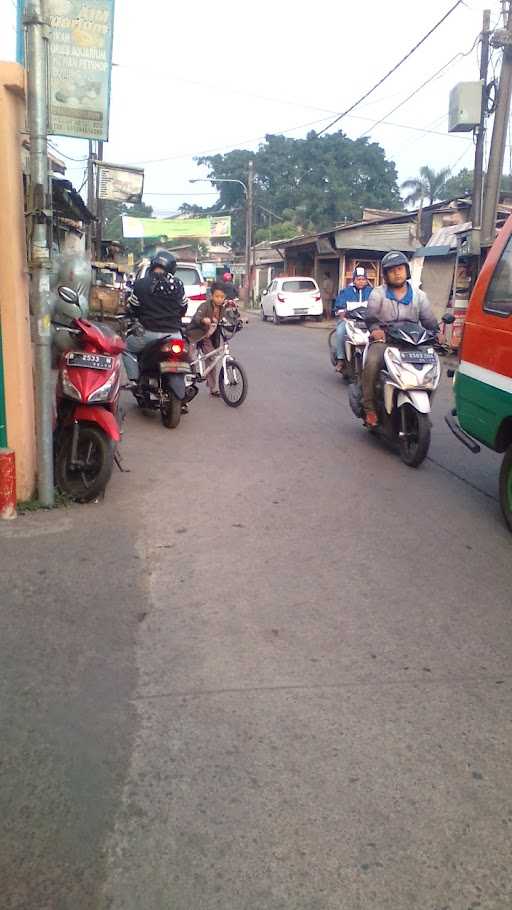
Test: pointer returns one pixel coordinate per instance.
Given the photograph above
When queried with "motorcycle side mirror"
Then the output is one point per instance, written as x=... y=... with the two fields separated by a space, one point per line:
x=68 y=295
x=448 y=318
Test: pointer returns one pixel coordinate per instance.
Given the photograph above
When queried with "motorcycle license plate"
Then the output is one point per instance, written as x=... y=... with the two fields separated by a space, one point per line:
x=170 y=366
x=90 y=361
x=418 y=357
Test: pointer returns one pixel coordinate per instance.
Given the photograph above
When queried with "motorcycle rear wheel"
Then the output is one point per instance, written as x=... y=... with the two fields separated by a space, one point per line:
x=415 y=445
x=170 y=412
x=95 y=453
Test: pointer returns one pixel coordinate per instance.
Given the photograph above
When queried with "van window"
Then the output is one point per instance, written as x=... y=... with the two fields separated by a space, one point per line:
x=498 y=299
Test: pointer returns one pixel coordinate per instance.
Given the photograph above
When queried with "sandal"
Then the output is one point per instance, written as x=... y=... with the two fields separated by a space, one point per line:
x=215 y=394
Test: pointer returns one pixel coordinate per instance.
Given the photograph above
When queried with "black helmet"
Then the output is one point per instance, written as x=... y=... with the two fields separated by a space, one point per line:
x=390 y=260
x=164 y=260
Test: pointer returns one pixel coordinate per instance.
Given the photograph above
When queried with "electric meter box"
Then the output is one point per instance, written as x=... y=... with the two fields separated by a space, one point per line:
x=465 y=107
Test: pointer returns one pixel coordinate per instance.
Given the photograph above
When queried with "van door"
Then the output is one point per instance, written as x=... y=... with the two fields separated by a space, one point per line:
x=483 y=385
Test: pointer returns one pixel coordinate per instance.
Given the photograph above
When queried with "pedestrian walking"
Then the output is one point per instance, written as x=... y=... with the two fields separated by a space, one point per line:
x=327 y=295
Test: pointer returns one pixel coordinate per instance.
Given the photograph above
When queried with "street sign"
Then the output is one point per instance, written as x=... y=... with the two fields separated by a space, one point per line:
x=171 y=228
x=119 y=183
x=80 y=64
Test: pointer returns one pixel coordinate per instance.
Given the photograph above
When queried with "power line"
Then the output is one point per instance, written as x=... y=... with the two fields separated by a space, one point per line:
x=419 y=88
x=393 y=70
x=241 y=142
x=68 y=157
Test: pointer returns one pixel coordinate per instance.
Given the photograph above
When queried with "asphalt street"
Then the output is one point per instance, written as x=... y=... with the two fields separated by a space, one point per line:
x=270 y=671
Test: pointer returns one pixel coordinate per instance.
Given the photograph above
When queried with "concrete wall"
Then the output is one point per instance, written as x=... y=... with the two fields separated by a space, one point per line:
x=14 y=308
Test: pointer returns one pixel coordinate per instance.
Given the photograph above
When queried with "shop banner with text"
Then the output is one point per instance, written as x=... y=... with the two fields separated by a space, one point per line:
x=80 y=64
x=170 y=228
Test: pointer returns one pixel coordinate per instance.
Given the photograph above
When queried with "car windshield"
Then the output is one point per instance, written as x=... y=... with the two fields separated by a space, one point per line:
x=188 y=276
x=299 y=286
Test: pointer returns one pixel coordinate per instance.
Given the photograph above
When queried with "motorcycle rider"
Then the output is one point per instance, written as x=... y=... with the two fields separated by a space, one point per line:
x=159 y=306
x=358 y=290
x=393 y=301
x=232 y=291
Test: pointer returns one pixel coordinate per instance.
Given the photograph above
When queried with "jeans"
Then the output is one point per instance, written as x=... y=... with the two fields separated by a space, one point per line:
x=136 y=344
x=341 y=333
x=374 y=363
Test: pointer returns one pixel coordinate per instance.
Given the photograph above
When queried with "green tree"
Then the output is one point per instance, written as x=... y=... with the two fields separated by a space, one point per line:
x=428 y=187
x=460 y=184
x=277 y=230
x=312 y=182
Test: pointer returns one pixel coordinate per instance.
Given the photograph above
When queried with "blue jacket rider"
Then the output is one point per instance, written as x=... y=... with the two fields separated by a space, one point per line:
x=358 y=291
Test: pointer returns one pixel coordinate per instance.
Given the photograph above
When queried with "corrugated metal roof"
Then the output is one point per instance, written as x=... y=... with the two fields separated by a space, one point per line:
x=377 y=236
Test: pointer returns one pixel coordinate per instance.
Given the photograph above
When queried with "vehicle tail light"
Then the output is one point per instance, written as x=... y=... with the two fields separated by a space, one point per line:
x=318 y=296
x=175 y=347
x=201 y=297
x=280 y=297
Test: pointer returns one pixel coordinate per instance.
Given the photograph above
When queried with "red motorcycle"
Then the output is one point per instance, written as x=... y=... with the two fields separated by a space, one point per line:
x=88 y=389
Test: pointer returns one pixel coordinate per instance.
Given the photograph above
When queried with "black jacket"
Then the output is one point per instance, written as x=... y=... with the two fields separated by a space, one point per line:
x=232 y=291
x=160 y=312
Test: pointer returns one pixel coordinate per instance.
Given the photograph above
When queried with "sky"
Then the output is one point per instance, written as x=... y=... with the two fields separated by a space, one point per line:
x=200 y=77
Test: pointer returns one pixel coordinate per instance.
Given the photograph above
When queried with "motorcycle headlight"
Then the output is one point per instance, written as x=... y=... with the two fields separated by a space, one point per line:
x=104 y=391
x=433 y=374
x=68 y=388
x=393 y=362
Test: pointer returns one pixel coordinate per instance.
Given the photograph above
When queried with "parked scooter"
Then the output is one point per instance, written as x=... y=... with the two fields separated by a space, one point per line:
x=162 y=367
x=405 y=389
x=87 y=427
x=356 y=339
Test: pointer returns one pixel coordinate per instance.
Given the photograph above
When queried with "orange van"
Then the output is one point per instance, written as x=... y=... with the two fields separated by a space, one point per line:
x=483 y=379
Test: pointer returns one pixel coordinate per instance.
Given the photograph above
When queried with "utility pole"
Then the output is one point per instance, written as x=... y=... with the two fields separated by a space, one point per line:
x=91 y=198
x=39 y=256
x=501 y=38
x=99 y=206
x=248 y=233
x=476 y=214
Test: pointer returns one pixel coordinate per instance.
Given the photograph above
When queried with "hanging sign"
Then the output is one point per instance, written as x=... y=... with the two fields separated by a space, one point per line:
x=80 y=64
x=119 y=183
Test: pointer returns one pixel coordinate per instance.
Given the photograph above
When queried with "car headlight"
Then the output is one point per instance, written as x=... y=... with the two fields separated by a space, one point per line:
x=104 y=391
x=68 y=388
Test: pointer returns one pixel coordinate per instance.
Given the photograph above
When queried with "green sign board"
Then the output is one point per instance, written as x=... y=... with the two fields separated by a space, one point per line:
x=171 y=228
x=80 y=64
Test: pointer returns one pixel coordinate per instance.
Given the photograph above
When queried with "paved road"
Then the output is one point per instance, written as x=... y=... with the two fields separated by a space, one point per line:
x=271 y=670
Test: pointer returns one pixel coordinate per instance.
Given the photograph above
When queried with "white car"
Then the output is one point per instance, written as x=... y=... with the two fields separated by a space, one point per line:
x=291 y=298
x=195 y=285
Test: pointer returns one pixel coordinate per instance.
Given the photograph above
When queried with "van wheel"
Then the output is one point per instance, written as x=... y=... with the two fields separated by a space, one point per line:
x=415 y=444
x=506 y=488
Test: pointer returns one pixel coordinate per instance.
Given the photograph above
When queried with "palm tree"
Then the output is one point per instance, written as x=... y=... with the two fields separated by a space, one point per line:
x=429 y=186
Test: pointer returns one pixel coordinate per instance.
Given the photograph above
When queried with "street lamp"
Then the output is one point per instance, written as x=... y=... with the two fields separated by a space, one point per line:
x=248 y=217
